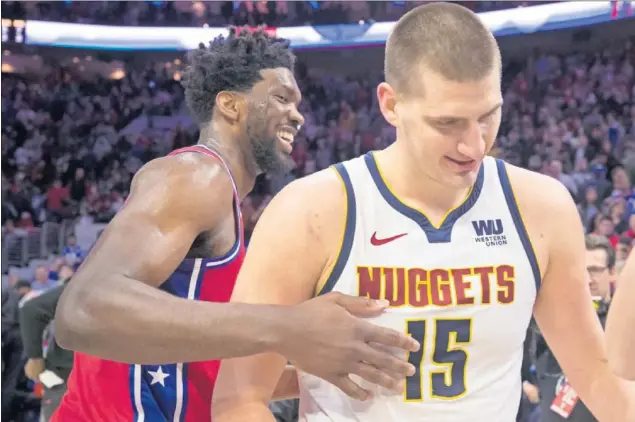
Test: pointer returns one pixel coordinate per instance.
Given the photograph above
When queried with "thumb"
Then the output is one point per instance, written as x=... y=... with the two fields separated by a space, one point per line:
x=362 y=306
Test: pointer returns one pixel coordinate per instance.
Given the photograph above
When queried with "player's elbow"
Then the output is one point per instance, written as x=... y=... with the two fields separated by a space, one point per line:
x=233 y=403
x=75 y=318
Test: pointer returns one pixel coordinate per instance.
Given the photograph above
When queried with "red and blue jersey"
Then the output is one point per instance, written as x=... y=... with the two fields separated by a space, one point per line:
x=105 y=391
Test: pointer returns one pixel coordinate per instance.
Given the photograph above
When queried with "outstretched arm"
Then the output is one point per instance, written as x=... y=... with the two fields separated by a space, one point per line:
x=112 y=307
x=564 y=309
x=620 y=323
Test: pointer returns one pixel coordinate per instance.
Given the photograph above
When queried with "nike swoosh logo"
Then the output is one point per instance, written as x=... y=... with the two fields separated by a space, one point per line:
x=378 y=242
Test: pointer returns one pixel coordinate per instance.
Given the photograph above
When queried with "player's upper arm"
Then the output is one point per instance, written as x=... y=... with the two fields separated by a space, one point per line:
x=172 y=200
x=564 y=309
x=296 y=240
x=620 y=323
x=565 y=281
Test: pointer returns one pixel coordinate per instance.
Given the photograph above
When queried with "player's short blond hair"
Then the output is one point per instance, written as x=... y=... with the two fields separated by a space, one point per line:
x=446 y=38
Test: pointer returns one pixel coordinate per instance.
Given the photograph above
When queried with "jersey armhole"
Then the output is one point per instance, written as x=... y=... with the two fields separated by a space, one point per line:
x=348 y=233
x=514 y=210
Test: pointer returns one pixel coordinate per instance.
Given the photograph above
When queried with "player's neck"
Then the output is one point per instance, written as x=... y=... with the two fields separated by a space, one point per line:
x=240 y=168
x=406 y=177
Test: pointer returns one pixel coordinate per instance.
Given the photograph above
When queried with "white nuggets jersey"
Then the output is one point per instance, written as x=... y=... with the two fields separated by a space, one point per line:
x=465 y=290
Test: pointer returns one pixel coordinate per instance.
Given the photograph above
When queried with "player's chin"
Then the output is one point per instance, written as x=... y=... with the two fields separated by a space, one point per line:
x=461 y=179
x=285 y=162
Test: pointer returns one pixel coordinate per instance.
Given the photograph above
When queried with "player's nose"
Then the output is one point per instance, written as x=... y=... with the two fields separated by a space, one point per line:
x=472 y=145
x=296 y=117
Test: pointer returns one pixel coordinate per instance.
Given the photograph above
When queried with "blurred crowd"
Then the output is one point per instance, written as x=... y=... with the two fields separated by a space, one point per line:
x=65 y=155
x=62 y=155
x=219 y=13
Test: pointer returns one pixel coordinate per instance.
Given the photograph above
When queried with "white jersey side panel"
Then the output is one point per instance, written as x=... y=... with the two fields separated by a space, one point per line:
x=465 y=290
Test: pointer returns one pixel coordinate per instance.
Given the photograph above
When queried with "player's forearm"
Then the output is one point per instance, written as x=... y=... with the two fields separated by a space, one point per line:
x=598 y=387
x=608 y=396
x=620 y=331
x=582 y=356
x=131 y=322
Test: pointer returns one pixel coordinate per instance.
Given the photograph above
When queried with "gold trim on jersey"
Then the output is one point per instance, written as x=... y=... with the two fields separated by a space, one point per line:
x=392 y=192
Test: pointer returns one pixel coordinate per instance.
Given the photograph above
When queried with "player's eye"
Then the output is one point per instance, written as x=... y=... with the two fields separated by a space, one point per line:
x=447 y=123
x=281 y=98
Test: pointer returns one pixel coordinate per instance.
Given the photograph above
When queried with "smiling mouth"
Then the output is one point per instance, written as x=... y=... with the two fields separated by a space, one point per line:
x=286 y=135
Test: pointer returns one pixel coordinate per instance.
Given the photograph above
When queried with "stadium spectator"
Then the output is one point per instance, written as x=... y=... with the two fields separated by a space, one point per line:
x=72 y=252
x=36 y=316
x=42 y=279
x=12 y=349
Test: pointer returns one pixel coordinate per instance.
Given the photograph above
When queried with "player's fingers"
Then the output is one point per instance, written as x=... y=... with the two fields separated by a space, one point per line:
x=360 y=306
x=386 y=362
x=351 y=389
x=372 y=374
x=389 y=337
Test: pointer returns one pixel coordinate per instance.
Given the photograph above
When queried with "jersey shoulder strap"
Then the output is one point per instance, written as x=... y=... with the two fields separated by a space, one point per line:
x=202 y=149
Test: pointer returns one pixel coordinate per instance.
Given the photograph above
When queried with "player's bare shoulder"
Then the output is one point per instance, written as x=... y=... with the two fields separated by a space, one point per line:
x=313 y=211
x=188 y=171
x=544 y=203
x=319 y=200
x=188 y=183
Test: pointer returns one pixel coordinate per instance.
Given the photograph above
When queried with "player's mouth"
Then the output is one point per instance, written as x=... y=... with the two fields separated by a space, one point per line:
x=286 y=136
x=462 y=166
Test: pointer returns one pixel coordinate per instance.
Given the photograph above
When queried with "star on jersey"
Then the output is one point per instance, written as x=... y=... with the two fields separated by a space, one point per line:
x=158 y=376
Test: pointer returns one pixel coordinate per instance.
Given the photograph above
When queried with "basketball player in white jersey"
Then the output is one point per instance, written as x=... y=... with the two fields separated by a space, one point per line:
x=433 y=225
x=620 y=323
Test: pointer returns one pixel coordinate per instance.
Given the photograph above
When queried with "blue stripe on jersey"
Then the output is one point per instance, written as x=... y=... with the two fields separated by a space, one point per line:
x=349 y=231
x=159 y=392
x=443 y=234
x=518 y=221
x=179 y=282
x=145 y=406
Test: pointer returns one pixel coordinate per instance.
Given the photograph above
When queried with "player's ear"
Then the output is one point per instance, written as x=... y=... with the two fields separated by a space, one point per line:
x=228 y=104
x=387 y=100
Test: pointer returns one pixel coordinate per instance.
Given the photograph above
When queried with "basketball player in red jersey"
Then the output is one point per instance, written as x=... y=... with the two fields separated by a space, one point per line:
x=144 y=298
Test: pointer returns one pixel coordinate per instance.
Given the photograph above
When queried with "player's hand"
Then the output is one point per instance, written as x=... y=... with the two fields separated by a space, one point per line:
x=532 y=393
x=33 y=368
x=326 y=339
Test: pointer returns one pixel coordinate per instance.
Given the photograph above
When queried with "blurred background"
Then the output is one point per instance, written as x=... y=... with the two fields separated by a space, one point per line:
x=90 y=92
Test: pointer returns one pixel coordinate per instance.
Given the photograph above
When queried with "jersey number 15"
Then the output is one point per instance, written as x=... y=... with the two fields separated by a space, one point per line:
x=448 y=383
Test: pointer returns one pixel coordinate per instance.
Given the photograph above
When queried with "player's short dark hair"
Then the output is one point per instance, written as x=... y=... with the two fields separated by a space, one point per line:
x=594 y=242
x=444 y=37
x=231 y=63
